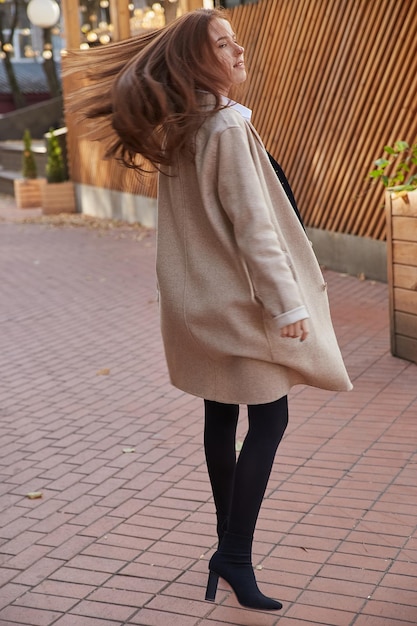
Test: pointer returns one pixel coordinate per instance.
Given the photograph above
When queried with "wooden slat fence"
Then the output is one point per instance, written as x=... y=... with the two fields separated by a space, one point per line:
x=330 y=83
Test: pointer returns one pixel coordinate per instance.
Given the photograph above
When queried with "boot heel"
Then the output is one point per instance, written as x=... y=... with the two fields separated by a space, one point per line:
x=213 y=579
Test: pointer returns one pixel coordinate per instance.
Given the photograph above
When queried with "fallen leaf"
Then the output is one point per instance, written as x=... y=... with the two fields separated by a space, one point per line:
x=33 y=495
x=104 y=372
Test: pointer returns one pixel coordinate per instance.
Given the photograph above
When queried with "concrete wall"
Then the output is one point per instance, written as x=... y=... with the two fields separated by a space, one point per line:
x=350 y=254
x=118 y=205
x=38 y=118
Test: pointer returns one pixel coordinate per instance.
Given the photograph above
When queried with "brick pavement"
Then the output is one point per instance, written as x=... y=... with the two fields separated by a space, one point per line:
x=125 y=526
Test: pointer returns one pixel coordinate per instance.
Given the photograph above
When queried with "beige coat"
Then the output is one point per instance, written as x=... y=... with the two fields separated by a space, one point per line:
x=234 y=266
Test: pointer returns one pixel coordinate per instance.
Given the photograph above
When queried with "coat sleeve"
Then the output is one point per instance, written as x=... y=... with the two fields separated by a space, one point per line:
x=228 y=177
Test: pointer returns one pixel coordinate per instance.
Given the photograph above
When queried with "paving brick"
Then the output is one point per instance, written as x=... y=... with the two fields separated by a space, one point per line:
x=23 y=541
x=398 y=581
x=116 y=498
x=111 y=552
x=104 y=610
x=147 y=617
x=101 y=526
x=182 y=606
x=235 y=615
x=82 y=620
x=38 y=571
x=28 y=616
x=120 y=596
x=126 y=538
x=321 y=615
x=27 y=556
x=90 y=515
x=57 y=471
x=60 y=535
x=6 y=574
x=143 y=570
x=52 y=522
x=178 y=549
x=74 y=492
x=113 y=538
x=9 y=593
x=359 y=560
x=354 y=574
x=148 y=586
x=64 y=589
x=95 y=563
x=289 y=566
x=80 y=504
x=70 y=548
x=373 y=620
x=391 y=609
x=341 y=602
x=13 y=470
x=45 y=602
x=81 y=576
x=342 y=587
x=45 y=507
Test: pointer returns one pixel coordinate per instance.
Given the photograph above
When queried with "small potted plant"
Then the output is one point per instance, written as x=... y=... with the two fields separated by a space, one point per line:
x=393 y=169
x=58 y=193
x=397 y=170
x=28 y=189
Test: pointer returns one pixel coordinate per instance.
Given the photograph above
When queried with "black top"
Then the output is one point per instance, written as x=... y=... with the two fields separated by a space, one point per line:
x=286 y=186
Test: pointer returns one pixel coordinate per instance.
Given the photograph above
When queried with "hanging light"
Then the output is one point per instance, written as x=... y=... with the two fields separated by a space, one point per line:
x=43 y=13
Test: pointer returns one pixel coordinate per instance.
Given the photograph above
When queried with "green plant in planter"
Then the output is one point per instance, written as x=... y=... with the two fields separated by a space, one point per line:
x=398 y=170
x=29 y=169
x=55 y=167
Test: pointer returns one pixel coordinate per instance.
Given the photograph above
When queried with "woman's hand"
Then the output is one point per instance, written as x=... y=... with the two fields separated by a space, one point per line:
x=298 y=330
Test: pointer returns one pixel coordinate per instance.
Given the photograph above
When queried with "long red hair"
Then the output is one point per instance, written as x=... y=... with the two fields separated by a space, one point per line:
x=143 y=92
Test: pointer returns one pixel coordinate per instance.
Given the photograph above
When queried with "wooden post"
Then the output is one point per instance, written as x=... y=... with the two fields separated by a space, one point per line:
x=401 y=215
x=195 y=4
x=70 y=12
x=120 y=18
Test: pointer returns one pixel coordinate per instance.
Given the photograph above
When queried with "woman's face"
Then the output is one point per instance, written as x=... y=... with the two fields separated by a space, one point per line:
x=228 y=52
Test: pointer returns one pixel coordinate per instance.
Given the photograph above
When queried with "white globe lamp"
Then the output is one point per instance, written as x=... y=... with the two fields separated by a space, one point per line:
x=43 y=13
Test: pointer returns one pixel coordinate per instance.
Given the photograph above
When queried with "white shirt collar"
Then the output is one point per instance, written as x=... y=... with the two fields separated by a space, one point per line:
x=240 y=108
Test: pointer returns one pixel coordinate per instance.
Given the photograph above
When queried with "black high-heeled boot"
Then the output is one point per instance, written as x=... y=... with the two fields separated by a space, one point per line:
x=233 y=563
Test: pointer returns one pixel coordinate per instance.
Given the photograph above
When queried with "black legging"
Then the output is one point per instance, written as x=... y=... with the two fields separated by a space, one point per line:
x=239 y=487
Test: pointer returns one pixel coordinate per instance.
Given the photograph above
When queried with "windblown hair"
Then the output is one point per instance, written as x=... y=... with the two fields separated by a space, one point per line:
x=142 y=93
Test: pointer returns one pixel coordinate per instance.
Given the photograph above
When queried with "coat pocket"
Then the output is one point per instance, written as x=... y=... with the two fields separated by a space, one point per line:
x=284 y=350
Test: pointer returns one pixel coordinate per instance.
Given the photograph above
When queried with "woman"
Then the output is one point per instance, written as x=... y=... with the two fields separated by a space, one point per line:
x=244 y=310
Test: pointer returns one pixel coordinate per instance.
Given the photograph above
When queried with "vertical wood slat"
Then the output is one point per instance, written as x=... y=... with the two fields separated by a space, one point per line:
x=346 y=85
x=120 y=18
x=390 y=271
x=330 y=84
x=70 y=14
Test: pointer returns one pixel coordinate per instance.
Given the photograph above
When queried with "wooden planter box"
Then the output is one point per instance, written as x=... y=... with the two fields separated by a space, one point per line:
x=58 y=198
x=28 y=192
x=401 y=215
